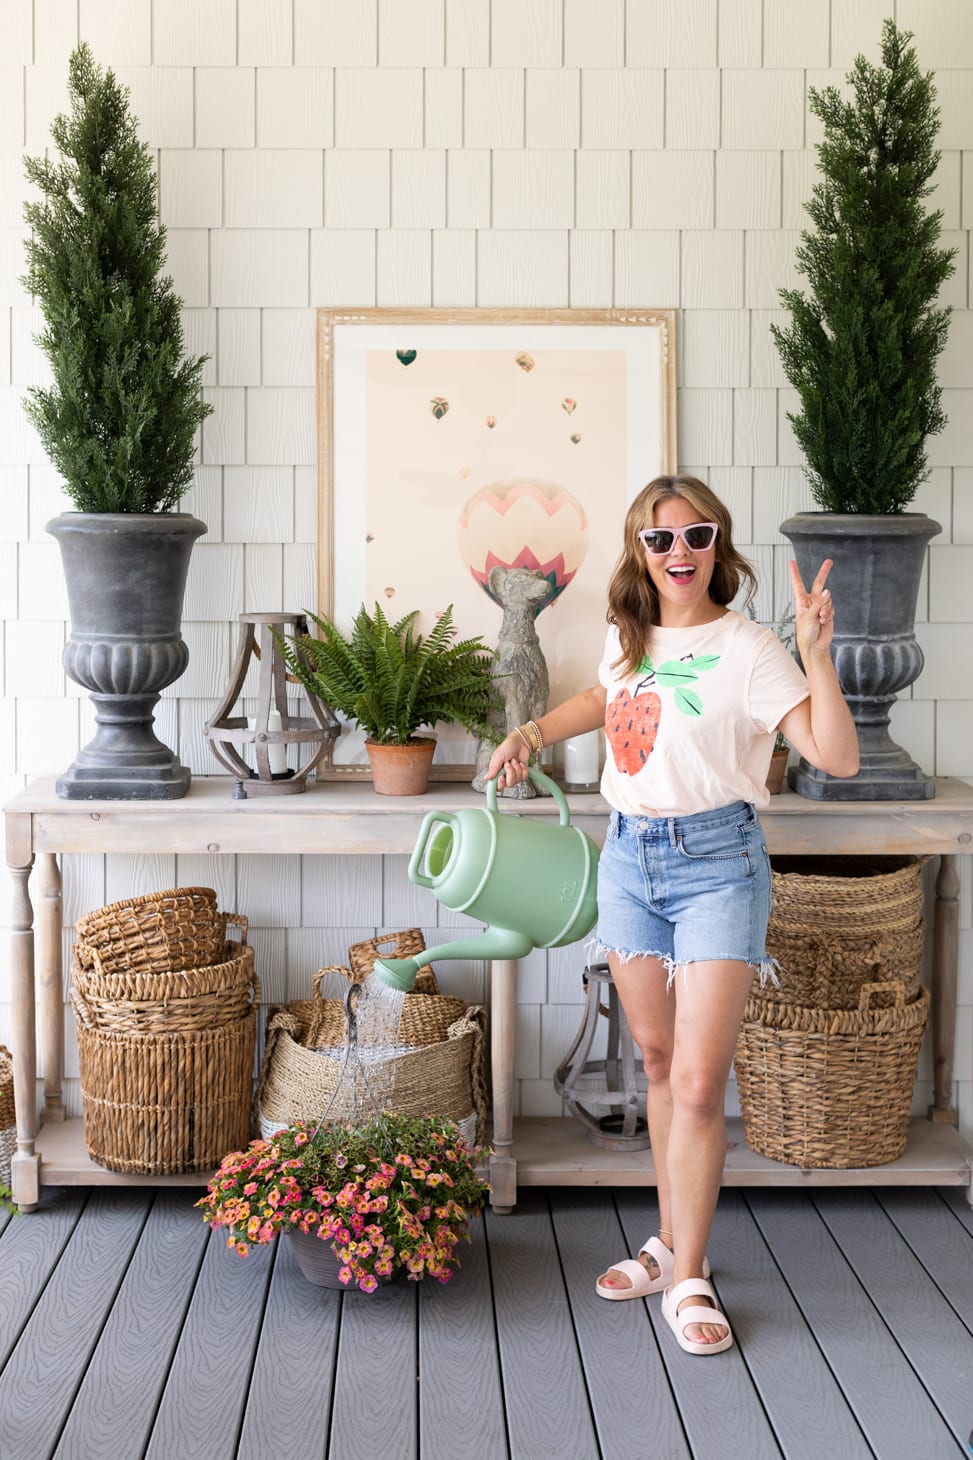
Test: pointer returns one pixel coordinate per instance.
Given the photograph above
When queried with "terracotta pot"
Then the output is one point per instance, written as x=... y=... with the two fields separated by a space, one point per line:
x=401 y=770
x=775 y=774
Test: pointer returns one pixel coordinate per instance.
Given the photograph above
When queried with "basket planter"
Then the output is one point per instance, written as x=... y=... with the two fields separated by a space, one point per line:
x=8 y=1122
x=830 y=1088
x=839 y=923
x=318 y=1263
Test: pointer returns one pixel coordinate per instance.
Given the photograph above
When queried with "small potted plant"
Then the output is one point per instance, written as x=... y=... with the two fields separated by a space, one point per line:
x=391 y=681
x=361 y=1203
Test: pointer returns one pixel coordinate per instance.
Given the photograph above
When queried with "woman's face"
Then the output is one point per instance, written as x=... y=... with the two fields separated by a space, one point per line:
x=681 y=576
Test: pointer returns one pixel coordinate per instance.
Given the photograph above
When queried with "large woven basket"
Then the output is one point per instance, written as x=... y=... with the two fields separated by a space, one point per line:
x=184 y=1000
x=179 y=928
x=158 y=1104
x=830 y=1087
x=839 y=923
x=8 y=1121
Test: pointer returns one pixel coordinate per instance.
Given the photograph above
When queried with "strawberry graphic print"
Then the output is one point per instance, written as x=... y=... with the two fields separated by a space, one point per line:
x=632 y=720
x=691 y=727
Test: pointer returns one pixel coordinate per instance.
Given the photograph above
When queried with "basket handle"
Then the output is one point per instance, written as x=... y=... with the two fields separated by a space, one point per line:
x=235 y=920
x=81 y=1008
x=895 y=987
x=322 y=974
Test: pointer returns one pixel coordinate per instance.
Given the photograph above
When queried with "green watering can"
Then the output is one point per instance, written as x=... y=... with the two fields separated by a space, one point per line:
x=534 y=882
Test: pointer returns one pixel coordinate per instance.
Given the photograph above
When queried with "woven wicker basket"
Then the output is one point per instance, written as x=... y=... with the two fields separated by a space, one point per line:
x=184 y=1000
x=446 y=1078
x=180 y=928
x=839 y=923
x=158 y=1104
x=8 y=1121
x=830 y=1087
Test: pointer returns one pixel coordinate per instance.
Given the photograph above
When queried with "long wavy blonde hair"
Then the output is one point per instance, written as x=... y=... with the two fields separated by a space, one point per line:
x=633 y=603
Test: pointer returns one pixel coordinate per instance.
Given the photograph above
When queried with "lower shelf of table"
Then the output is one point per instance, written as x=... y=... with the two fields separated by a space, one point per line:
x=556 y=1152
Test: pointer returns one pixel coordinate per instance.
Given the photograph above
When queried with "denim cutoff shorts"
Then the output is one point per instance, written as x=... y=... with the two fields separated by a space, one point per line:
x=686 y=889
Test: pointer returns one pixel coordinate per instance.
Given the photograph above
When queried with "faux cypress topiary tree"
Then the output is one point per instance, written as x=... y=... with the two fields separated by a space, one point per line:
x=862 y=346
x=120 y=420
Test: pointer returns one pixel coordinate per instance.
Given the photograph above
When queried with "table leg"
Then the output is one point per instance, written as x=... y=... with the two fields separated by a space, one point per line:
x=25 y=1163
x=945 y=960
x=50 y=982
x=503 y=1016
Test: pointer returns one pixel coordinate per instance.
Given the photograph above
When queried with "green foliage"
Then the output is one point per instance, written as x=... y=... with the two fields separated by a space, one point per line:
x=7 y=1203
x=390 y=679
x=861 y=348
x=120 y=420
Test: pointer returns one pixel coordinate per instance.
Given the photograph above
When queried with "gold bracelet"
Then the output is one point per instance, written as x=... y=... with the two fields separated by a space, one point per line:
x=532 y=735
x=519 y=731
x=536 y=729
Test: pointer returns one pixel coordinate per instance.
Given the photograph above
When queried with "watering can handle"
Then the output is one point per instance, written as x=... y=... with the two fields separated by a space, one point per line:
x=433 y=818
x=539 y=779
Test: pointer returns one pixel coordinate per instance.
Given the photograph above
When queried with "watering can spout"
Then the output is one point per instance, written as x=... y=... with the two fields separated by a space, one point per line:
x=400 y=973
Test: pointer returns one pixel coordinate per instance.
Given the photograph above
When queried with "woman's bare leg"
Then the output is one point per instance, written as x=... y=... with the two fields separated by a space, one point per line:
x=650 y=1011
x=710 y=999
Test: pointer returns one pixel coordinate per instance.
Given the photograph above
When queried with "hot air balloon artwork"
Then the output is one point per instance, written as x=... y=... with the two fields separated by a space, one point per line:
x=524 y=522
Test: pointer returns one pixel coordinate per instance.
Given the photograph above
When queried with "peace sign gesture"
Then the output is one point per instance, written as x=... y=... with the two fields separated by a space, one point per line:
x=813 y=611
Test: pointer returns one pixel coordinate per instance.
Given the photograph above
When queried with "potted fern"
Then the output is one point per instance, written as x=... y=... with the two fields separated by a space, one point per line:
x=392 y=681
x=119 y=421
x=861 y=351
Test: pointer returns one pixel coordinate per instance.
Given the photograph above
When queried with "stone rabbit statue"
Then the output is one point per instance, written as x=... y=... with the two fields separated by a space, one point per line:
x=521 y=669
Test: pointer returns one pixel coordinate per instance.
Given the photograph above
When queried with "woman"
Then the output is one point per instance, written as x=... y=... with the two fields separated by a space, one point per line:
x=690 y=694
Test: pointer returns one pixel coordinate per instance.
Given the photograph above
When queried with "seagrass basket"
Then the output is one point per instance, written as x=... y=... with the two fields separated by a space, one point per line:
x=179 y=928
x=8 y=1119
x=158 y=1104
x=166 y=1057
x=839 y=923
x=830 y=1088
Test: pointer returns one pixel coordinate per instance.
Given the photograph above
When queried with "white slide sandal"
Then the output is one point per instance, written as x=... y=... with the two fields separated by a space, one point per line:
x=643 y=1286
x=697 y=1313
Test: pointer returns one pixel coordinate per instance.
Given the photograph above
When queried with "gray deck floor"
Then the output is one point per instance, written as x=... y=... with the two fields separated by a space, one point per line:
x=128 y=1330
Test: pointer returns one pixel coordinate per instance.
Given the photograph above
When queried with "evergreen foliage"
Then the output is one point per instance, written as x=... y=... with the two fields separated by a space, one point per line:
x=391 y=680
x=861 y=348
x=120 y=420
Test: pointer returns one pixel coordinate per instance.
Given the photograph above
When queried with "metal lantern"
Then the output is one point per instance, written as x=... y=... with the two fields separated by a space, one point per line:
x=268 y=735
x=621 y=1127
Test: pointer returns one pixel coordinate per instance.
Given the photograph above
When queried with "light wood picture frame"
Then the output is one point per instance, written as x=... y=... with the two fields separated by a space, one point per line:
x=452 y=439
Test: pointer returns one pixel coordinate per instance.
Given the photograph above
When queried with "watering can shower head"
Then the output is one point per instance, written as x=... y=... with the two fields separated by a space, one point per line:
x=535 y=883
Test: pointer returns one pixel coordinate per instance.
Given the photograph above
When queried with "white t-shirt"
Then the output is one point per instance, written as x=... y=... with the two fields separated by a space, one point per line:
x=694 y=728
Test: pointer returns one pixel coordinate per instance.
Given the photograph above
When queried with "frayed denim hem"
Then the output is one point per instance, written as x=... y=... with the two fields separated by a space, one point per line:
x=766 y=969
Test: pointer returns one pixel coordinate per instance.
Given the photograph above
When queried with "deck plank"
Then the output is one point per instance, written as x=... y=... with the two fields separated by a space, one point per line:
x=460 y=1396
x=934 y=1340
x=939 y=1241
x=721 y=1412
x=375 y=1382
x=804 y=1403
x=631 y=1400
x=295 y=1359
x=114 y=1409
x=897 y=1416
x=38 y=1383
x=29 y=1251
x=544 y=1384
x=204 y=1398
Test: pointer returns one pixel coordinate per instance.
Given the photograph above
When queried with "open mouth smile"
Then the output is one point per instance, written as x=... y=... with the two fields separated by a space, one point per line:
x=681 y=573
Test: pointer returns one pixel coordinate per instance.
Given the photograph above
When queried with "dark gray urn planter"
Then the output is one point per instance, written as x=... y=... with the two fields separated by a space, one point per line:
x=126 y=577
x=875 y=584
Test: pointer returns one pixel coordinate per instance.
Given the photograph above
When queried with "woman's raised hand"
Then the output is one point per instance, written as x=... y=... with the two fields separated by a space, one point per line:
x=509 y=761
x=813 y=611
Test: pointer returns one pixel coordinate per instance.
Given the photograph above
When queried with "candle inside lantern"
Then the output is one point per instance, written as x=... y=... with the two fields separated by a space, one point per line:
x=581 y=759
x=276 y=752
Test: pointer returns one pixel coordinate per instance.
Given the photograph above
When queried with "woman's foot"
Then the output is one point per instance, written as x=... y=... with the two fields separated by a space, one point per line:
x=616 y=1280
x=685 y=1307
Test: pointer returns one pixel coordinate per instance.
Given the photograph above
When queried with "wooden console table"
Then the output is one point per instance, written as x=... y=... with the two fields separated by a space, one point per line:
x=336 y=818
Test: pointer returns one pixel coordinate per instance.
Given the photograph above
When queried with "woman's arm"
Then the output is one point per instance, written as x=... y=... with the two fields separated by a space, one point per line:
x=584 y=711
x=820 y=729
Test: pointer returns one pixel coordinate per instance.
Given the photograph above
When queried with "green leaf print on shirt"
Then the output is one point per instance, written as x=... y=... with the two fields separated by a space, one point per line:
x=632 y=721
